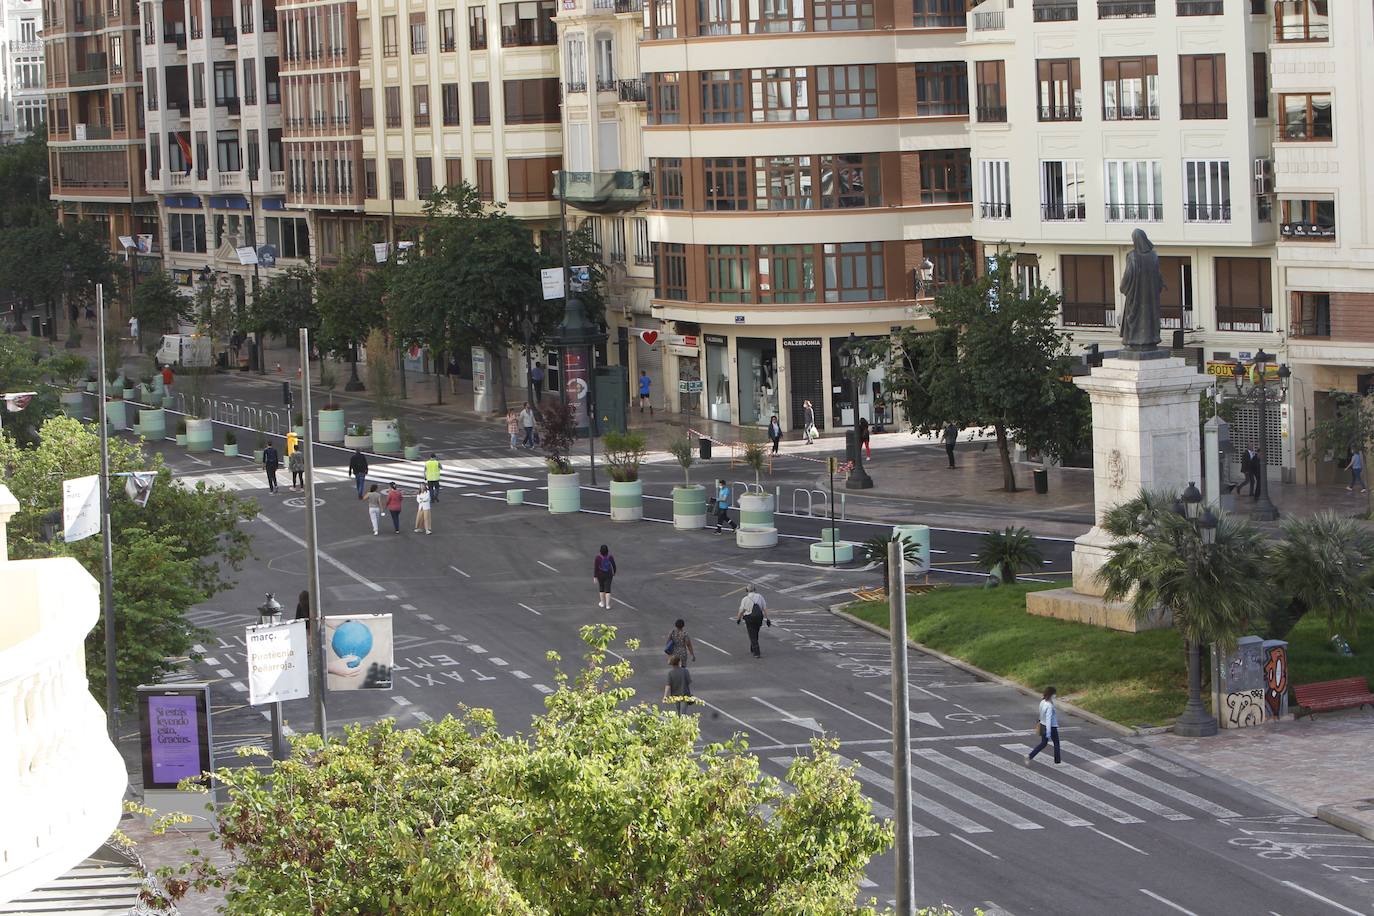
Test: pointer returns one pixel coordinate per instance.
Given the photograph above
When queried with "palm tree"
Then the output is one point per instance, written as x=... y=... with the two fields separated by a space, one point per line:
x=1323 y=565
x=1209 y=573
x=874 y=550
x=1010 y=550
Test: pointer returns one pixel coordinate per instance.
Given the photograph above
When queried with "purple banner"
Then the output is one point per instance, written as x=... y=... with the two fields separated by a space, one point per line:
x=174 y=730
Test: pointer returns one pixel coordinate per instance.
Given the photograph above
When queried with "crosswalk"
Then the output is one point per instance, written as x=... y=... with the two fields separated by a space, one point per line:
x=976 y=788
x=406 y=474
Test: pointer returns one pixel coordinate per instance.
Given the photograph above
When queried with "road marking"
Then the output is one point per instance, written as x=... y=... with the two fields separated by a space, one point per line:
x=1315 y=896
x=927 y=692
x=238 y=685
x=1144 y=756
x=400 y=700
x=924 y=718
x=752 y=730
x=393 y=597
x=476 y=648
x=797 y=588
x=460 y=572
x=357 y=577
x=974 y=845
x=933 y=808
x=530 y=609
x=225 y=672
x=409 y=607
x=198 y=649
x=497 y=661
x=423 y=617
x=1159 y=786
x=422 y=715
x=442 y=628
x=623 y=603
x=989 y=781
x=1115 y=791
x=843 y=591
x=545 y=565
x=842 y=709
x=520 y=674
x=543 y=688
x=1064 y=792
x=940 y=784
x=208 y=660
x=1102 y=833
x=1167 y=902
x=800 y=721
x=712 y=645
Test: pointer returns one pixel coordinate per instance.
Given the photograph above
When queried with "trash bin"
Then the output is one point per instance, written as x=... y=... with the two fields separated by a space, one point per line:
x=35 y=327
x=1042 y=480
x=704 y=448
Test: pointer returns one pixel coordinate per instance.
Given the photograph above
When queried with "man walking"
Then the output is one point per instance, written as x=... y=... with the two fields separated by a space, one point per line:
x=537 y=380
x=454 y=372
x=723 y=506
x=1356 y=467
x=1250 y=467
x=644 y=390
x=357 y=466
x=951 y=437
x=527 y=424
x=433 y=472
x=271 y=461
x=753 y=610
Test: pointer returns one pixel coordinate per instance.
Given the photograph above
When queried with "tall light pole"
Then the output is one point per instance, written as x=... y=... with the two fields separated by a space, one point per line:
x=901 y=726
x=1259 y=392
x=1196 y=721
x=107 y=546
x=312 y=557
x=269 y=612
x=858 y=478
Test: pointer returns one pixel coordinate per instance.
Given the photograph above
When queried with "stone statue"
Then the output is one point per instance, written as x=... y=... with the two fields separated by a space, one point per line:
x=1142 y=284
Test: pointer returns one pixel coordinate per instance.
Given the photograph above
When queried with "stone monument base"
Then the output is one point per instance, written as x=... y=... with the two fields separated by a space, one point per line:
x=1067 y=604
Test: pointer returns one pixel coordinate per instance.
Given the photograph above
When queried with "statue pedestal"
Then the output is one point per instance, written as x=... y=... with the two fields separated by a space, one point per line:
x=1145 y=436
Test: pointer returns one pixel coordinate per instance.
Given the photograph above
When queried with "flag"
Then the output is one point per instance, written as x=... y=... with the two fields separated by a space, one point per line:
x=17 y=401
x=80 y=508
x=139 y=485
x=185 y=144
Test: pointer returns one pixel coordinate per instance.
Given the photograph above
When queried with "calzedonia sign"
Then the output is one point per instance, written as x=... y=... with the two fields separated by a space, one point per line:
x=174 y=728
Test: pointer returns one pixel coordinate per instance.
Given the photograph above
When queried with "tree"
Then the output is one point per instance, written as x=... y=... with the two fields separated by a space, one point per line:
x=159 y=305
x=168 y=556
x=381 y=379
x=285 y=303
x=1008 y=552
x=21 y=369
x=996 y=358
x=601 y=808
x=24 y=182
x=1349 y=429
x=350 y=303
x=1323 y=564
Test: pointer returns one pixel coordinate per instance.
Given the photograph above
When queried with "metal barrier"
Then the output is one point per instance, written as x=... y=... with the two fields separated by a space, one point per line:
x=231 y=413
x=741 y=488
x=810 y=501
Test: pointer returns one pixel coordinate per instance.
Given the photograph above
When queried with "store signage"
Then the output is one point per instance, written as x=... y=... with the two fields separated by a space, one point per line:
x=691 y=352
x=715 y=339
x=689 y=386
x=801 y=341
x=739 y=319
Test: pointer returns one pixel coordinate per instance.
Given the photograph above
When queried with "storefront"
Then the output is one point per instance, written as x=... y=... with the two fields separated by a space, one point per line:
x=757 y=361
x=854 y=396
x=716 y=393
x=806 y=380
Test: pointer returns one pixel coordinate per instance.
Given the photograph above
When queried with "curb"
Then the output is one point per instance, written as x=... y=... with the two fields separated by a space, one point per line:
x=1336 y=817
x=1235 y=782
x=1114 y=727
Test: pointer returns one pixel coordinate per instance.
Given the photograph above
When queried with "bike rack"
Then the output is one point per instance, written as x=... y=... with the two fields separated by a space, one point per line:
x=743 y=487
x=810 y=501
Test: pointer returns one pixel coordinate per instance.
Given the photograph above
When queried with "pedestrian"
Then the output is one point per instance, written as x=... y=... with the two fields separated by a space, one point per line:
x=292 y=441
x=374 y=507
x=270 y=462
x=680 y=644
x=303 y=609
x=679 y=683
x=423 y=498
x=527 y=423
x=357 y=466
x=1048 y=726
x=235 y=345
x=537 y=380
x=603 y=571
x=1250 y=467
x=809 y=422
x=513 y=427
x=90 y=316
x=753 y=610
x=168 y=376
x=434 y=472
x=133 y=328
x=775 y=432
x=723 y=506
x=454 y=372
x=1356 y=467
x=296 y=464
x=864 y=432
x=394 y=500
x=644 y=399
x=951 y=436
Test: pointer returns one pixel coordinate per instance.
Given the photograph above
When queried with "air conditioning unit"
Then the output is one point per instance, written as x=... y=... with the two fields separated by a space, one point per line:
x=1264 y=176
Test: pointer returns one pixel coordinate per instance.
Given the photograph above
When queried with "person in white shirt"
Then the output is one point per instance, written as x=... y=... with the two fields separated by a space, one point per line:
x=753 y=610
x=1048 y=726
x=527 y=423
x=422 y=501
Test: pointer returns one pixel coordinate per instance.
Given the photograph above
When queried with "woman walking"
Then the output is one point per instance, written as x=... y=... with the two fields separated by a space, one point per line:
x=775 y=432
x=679 y=683
x=422 y=503
x=809 y=421
x=394 y=500
x=297 y=465
x=374 y=507
x=680 y=644
x=603 y=571
x=1048 y=726
x=864 y=432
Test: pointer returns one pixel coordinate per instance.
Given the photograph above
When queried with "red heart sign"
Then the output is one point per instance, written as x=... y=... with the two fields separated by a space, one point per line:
x=648 y=337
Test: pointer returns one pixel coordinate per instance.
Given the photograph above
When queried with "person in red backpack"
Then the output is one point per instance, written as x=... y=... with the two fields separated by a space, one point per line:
x=603 y=571
x=394 y=500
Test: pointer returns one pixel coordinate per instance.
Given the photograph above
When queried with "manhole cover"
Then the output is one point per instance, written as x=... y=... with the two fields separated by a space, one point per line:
x=298 y=502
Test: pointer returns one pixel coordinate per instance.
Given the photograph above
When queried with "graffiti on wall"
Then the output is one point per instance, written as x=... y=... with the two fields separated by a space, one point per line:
x=1244 y=708
x=1276 y=679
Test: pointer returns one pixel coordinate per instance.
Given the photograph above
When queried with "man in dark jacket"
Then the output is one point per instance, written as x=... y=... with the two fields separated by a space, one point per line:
x=357 y=466
x=1250 y=467
x=951 y=437
x=270 y=462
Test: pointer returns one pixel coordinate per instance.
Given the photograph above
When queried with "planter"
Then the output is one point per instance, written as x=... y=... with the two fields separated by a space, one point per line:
x=73 y=403
x=627 y=500
x=200 y=434
x=412 y=453
x=565 y=492
x=386 y=436
x=331 y=426
x=231 y=450
x=152 y=423
x=91 y=387
x=920 y=536
x=181 y=438
x=130 y=394
x=756 y=522
x=363 y=442
x=117 y=415
x=169 y=403
x=299 y=431
x=257 y=455
x=689 y=507
x=149 y=394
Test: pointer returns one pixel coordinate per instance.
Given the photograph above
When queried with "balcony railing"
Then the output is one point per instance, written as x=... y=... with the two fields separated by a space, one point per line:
x=1061 y=112
x=1303 y=132
x=89 y=77
x=230 y=181
x=575 y=86
x=1125 y=9
x=88 y=21
x=176 y=179
x=1088 y=315
x=231 y=104
x=629 y=6
x=989 y=20
x=1055 y=11
x=1063 y=212
x=1202 y=111
x=93 y=131
x=632 y=90
x=1311 y=231
x=1150 y=213
x=994 y=211
x=278 y=182
x=938 y=20
x=992 y=114
x=1199 y=8
x=26 y=47
x=942 y=108
x=1244 y=318
x=1141 y=112
x=175 y=38
x=1206 y=213
x=61 y=777
x=1312 y=30
x=605 y=85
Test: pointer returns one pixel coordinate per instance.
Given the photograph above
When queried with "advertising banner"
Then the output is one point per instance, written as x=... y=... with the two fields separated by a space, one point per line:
x=576 y=383
x=278 y=663
x=80 y=508
x=174 y=731
x=359 y=652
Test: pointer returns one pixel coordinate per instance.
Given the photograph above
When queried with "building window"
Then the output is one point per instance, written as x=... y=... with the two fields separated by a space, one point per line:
x=575 y=54
x=420 y=112
x=784 y=183
x=389 y=45
x=274 y=149
x=364 y=38
x=667 y=179
x=1176 y=299
x=424 y=176
x=843 y=15
x=250 y=81
x=477 y=28
x=938 y=14
x=485 y=186
x=532 y=179
x=528 y=23
x=1054 y=10
x=994 y=189
x=729 y=273
x=186 y=232
x=1130 y=88
x=202 y=154
x=290 y=236
x=777 y=16
x=272 y=80
x=1244 y=295
x=393 y=106
x=1134 y=189
x=1202 y=87
x=852 y=180
x=946 y=176
x=228 y=155
x=1207 y=191
x=1301 y=20
x=154 y=157
x=846 y=93
x=722 y=97
x=1089 y=300
x=718 y=17
x=1311 y=315
x=951 y=259
x=942 y=88
x=992 y=91
x=396 y=178
x=643 y=253
x=1061 y=190
x=1061 y=91
x=780 y=94
x=660 y=19
x=448 y=30
x=453 y=172
x=665 y=101
x=197 y=86
x=448 y=93
x=787 y=273
x=1305 y=118
x=419 y=34
x=618 y=240
x=533 y=101
x=727 y=184
x=854 y=272
x=481 y=103
x=1260 y=62
x=365 y=112
x=670 y=269
x=1309 y=219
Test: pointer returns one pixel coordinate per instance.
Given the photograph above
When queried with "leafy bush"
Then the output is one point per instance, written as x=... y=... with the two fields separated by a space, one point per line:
x=874 y=550
x=624 y=454
x=231 y=438
x=1008 y=552
x=681 y=450
x=756 y=457
x=557 y=433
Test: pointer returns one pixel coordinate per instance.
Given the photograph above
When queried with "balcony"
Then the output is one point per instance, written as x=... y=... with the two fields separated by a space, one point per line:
x=992 y=114
x=1202 y=111
x=178 y=179
x=942 y=108
x=1199 y=7
x=571 y=86
x=1125 y=9
x=278 y=181
x=1055 y=11
x=629 y=6
x=605 y=85
x=1147 y=213
x=92 y=132
x=632 y=90
x=1304 y=131
x=1061 y=112
x=175 y=38
x=989 y=20
x=231 y=104
x=1245 y=318
x=229 y=181
x=1063 y=212
x=1137 y=112
x=1206 y=213
x=62 y=779
x=603 y=192
x=994 y=211
x=87 y=21
x=1088 y=315
x=96 y=77
x=939 y=14
x=1174 y=318
x=1307 y=232
x=25 y=47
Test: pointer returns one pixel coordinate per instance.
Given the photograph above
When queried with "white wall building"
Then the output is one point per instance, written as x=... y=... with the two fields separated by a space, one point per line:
x=23 y=86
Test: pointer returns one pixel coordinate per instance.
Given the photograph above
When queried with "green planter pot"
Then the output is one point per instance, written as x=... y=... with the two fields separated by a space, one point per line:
x=627 y=500
x=386 y=437
x=756 y=522
x=117 y=414
x=200 y=434
x=363 y=442
x=299 y=431
x=152 y=423
x=257 y=455
x=920 y=536
x=73 y=403
x=565 y=493
x=130 y=394
x=689 y=507
x=91 y=386
x=231 y=450
x=181 y=438
x=331 y=426
x=169 y=403
x=412 y=452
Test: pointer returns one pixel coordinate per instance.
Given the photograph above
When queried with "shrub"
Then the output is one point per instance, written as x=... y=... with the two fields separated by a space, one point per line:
x=231 y=438
x=1010 y=550
x=681 y=450
x=874 y=550
x=624 y=454
x=557 y=433
x=756 y=457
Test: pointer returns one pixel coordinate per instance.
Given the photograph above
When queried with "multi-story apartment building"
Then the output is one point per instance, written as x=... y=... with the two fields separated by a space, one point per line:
x=94 y=64
x=1323 y=114
x=23 y=88
x=807 y=159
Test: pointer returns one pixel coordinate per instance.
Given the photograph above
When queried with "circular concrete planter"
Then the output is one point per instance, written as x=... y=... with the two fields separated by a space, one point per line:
x=412 y=453
x=148 y=394
x=73 y=403
x=231 y=450
x=689 y=507
x=363 y=442
x=386 y=436
x=91 y=386
x=200 y=434
x=117 y=414
x=756 y=522
x=299 y=431
x=920 y=536
x=130 y=393
x=152 y=423
x=627 y=500
x=830 y=553
x=168 y=402
x=181 y=438
x=565 y=492
x=332 y=425
x=257 y=455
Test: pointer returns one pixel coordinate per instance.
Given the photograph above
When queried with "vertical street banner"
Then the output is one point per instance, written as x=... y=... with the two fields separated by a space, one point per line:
x=551 y=279
x=576 y=382
x=278 y=662
x=80 y=508
x=139 y=486
x=359 y=652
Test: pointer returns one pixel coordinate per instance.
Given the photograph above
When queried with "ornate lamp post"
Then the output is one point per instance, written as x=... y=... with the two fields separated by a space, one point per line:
x=1196 y=721
x=1261 y=393
x=848 y=355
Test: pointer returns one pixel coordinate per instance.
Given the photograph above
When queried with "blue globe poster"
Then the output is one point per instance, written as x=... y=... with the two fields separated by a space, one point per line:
x=358 y=652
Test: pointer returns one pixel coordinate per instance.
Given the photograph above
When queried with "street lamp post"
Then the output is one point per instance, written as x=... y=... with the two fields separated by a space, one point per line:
x=1264 y=509
x=67 y=276
x=527 y=331
x=858 y=478
x=1196 y=721
x=269 y=612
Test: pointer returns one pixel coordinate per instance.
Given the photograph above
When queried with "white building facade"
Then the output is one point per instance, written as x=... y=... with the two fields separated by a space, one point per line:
x=23 y=86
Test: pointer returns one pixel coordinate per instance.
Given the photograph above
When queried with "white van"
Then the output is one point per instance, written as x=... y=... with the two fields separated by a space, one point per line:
x=185 y=351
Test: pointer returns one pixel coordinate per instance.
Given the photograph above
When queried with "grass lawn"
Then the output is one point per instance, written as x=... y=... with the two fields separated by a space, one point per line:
x=1310 y=657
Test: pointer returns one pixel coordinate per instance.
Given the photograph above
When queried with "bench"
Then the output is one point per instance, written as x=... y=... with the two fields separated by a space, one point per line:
x=1344 y=693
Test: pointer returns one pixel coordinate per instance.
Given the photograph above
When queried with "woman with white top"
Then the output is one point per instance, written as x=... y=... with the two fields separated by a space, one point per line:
x=1048 y=726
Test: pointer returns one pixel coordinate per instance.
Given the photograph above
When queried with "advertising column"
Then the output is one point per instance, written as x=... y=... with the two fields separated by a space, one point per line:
x=576 y=382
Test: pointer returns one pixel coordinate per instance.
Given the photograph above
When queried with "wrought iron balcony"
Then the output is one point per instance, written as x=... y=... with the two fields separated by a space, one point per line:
x=632 y=90
x=1125 y=9
x=1055 y=10
x=1063 y=212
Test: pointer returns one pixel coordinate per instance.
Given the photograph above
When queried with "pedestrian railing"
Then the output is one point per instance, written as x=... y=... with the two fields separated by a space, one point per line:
x=742 y=488
x=231 y=413
x=810 y=501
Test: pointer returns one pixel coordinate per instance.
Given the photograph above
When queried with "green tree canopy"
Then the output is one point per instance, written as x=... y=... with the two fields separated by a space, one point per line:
x=22 y=369
x=1348 y=429
x=285 y=303
x=159 y=305
x=350 y=303
x=1323 y=564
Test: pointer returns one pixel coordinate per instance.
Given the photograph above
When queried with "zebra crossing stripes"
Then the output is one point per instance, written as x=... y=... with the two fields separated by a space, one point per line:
x=1125 y=750
x=1173 y=792
x=1120 y=792
x=988 y=781
x=414 y=474
x=940 y=784
x=1050 y=787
